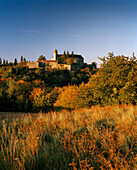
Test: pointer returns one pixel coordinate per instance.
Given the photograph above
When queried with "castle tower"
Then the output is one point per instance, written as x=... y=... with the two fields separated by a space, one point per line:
x=55 y=55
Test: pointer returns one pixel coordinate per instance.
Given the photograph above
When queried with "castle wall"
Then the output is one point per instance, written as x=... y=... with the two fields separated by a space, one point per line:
x=64 y=66
x=33 y=64
x=50 y=63
x=36 y=65
x=78 y=60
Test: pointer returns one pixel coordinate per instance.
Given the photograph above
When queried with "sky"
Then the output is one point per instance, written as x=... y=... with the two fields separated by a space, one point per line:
x=91 y=28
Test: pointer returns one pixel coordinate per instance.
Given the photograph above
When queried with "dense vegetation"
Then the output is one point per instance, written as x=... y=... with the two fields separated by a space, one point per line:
x=96 y=138
x=24 y=89
x=114 y=83
x=93 y=137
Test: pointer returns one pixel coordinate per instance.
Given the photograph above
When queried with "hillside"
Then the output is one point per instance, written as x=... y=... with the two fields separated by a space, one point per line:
x=34 y=90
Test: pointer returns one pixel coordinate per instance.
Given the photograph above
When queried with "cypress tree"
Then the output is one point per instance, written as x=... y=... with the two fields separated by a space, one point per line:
x=3 y=61
x=7 y=62
x=21 y=60
x=15 y=62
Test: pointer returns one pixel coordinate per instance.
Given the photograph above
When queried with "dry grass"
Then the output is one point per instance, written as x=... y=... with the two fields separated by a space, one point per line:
x=96 y=138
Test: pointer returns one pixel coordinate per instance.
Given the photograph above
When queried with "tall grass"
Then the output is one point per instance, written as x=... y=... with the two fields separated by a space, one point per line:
x=95 y=138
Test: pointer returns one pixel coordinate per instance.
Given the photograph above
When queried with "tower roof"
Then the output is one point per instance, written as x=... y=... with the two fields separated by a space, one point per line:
x=55 y=51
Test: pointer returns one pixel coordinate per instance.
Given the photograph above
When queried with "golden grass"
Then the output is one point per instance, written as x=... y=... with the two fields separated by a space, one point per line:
x=95 y=138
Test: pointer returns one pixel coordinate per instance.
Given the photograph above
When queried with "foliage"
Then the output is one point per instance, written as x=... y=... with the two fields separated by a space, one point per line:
x=73 y=97
x=38 y=98
x=115 y=82
x=116 y=75
x=18 y=82
x=61 y=59
x=41 y=57
x=70 y=61
x=67 y=97
x=15 y=62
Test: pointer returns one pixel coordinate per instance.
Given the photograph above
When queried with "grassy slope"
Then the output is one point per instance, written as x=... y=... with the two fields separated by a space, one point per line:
x=96 y=138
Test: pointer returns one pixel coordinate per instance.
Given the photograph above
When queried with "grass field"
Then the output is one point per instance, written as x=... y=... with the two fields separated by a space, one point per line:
x=95 y=138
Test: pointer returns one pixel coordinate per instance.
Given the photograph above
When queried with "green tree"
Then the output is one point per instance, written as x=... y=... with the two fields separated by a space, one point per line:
x=7 y=62
x=70 y=61
x=64 y=53
x=128 y=94
x=74 y=97
x=72 y=54
x=4 y=61
x=15 y=62
x=0 y=61
x=111 y=78
x=41 y=57
x=94 y=65
x=3 y=96
x=38 y=98
x=21 y=59
x=8 y=73
x=67 y=56
x=10 y=64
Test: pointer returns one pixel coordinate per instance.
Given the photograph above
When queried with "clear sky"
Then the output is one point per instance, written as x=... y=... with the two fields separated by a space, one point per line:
x=88 y=27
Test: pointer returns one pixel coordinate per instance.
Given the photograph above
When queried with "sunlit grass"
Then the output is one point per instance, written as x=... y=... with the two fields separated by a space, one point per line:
x=96 y=138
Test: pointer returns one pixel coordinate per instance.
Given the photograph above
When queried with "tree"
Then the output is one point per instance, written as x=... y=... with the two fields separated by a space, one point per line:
x=38 y=98
x=70 y=61
x=10 y=64
x=0 y=60
x=94 y=65
x=67 y=97
x=4 y=61
x=7 y=62
x=15 y=62
x=72 y=54
x=73 y=97
x=61 y=59
x=67 y=55
x=21 y=60
x=111 y=82
x=41 y=57
x=128 y=94
x=64 y=53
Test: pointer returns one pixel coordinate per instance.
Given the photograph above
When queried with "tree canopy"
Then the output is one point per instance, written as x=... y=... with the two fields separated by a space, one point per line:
x=41 y=57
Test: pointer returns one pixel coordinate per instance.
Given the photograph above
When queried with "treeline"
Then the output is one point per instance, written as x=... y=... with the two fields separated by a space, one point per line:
x=4 y=62
x=32 y=90
x=24 y=89
x=114 y=83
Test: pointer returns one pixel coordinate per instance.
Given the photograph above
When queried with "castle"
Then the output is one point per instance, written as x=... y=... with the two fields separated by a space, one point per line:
x=71 y=62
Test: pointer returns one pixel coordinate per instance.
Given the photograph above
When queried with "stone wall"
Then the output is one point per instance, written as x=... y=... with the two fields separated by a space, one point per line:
x=33 y=64
x=78 y=60
x=50 y=63
x=64 y=66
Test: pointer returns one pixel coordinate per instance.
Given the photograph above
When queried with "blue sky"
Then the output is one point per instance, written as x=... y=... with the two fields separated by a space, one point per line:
x=88 y=27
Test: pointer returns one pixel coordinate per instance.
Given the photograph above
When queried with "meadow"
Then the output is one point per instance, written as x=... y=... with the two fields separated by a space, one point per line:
x=94 y=138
